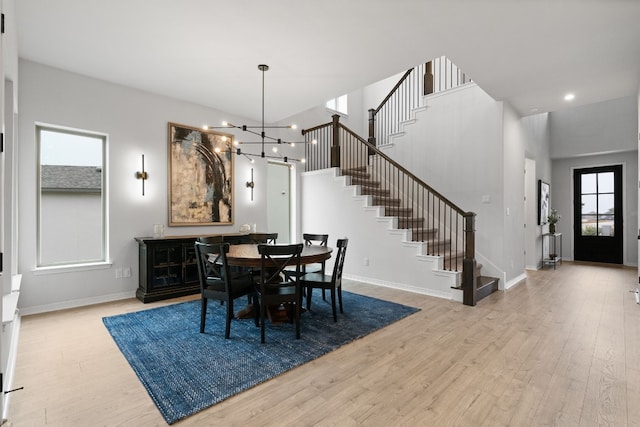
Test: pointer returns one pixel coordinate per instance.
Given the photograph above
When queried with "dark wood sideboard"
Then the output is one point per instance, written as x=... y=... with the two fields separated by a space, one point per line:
x=168 y=268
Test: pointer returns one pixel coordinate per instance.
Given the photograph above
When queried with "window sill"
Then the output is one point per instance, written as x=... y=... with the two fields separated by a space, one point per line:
x=54 y=269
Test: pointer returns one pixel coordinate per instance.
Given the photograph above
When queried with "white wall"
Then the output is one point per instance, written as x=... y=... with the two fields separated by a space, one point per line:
x=136 y=123
x=536 y=128
x=515 y=144
x=605 y=127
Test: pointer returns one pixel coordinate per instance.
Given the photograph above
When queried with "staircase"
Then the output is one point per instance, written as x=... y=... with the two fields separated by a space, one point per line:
x=438 y=227
x=419 y=231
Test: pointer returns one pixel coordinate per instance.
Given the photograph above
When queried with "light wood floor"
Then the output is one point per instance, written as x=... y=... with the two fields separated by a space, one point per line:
x=561 y=349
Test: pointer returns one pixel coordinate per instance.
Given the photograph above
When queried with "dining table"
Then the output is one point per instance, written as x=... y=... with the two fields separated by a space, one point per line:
x=247 y=255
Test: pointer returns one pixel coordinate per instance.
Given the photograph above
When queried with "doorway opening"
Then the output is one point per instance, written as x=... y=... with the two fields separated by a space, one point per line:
x=279 y=201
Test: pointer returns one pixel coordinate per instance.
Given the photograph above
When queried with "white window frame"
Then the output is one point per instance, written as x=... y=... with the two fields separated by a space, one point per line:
x=73 y=264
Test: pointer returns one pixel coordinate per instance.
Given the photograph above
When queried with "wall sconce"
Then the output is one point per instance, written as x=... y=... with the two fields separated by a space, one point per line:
x=250 y=184
x=142 y=175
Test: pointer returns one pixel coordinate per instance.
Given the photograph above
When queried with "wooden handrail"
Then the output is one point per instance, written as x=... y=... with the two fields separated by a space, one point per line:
x=395 y=88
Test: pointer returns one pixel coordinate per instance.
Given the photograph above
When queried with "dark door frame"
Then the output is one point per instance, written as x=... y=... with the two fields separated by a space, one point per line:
x=599 y=248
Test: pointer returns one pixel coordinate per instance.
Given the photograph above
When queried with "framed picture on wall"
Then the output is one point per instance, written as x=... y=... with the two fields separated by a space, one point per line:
x=200 y=176
x=544 y=201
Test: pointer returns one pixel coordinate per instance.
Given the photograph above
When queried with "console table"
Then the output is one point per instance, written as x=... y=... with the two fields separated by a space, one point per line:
x=553 y=254
x=167 y=266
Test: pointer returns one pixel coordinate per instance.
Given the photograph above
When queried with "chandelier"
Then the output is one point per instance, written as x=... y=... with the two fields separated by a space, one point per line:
x=259 y=131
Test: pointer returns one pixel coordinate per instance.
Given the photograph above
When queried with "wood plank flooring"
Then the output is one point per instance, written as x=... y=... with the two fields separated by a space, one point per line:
x=561 y=349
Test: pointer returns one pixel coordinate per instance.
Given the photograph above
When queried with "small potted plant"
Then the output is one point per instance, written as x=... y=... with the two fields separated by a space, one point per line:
x=553 y=219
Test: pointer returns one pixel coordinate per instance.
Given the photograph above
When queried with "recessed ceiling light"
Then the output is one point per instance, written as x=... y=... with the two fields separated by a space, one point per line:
x=534 y=109
x=569 y=97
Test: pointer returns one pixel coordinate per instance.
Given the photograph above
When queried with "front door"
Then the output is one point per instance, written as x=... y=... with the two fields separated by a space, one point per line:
x=598 y=214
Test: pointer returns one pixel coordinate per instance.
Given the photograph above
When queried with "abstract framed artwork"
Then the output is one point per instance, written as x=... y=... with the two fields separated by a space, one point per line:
x=200 y=177
x=544 y=201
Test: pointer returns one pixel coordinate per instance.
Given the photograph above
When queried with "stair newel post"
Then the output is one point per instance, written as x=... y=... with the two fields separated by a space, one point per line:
x=372 y=126
x=469 y=279
x=335 y=144
x=428 y=78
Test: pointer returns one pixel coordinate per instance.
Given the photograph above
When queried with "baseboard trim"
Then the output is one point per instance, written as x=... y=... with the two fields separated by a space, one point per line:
x=401 y=287
x=515 y=281
x=77 y=303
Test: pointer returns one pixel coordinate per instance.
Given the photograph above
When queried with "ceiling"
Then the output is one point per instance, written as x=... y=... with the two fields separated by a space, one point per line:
x=527 y=52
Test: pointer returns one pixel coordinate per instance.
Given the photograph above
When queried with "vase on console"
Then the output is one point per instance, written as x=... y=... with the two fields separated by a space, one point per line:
x=552 y=228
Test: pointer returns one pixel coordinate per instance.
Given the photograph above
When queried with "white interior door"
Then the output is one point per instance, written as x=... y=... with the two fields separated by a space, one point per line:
x=279 y=201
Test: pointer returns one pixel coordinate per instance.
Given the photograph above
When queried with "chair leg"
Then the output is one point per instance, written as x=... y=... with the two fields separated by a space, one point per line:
x=203 y=313
x=309 y=293
x=256 y=310
x=324 y=298
x=297 y=315
x=262 y=316
x=227 y=326
x=340 y=299
x=333 y=304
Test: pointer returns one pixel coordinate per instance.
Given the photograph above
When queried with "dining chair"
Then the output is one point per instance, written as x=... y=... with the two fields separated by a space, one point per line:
x=265 y=238
x=217 y=282
x=309 y=240
x=274 y=289
x=311 y=281
x=261 y=238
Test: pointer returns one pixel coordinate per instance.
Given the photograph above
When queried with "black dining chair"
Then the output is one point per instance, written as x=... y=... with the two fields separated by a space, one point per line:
x=333 y=283
x=309 y=240
x=217 y=282
x=274 y=289
x=261 y=238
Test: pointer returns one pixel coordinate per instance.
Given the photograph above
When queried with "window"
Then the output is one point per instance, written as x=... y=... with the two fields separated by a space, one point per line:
x=338 y=104
x=598 y=213
x=71 y=196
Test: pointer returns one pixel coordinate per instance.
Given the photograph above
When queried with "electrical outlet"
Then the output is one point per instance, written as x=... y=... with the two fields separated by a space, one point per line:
x=118 y=273
x=126 y=272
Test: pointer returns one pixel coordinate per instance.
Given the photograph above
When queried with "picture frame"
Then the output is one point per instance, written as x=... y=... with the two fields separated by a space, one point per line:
x=544 y=201
x=200 y=176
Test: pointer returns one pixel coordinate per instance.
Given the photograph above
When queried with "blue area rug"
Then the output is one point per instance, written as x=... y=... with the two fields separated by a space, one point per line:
x=185 y=371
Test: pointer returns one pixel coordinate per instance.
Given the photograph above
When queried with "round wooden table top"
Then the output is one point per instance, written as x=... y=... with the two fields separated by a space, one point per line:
x=248 y=256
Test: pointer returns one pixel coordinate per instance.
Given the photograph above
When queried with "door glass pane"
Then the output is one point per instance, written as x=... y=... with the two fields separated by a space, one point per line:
x=605 y=227
x=589 y=205
x=605 y=204
x=589 y=225
x=589 y=183
x=605 y=182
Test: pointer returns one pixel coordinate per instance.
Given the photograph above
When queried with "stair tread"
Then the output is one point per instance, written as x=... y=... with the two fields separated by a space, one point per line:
x=486 y=286
x=487 y=281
